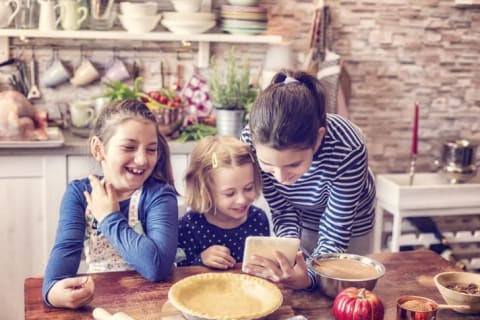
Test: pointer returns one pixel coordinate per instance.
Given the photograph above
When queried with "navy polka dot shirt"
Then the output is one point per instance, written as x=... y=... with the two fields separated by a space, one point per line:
x=196 y=234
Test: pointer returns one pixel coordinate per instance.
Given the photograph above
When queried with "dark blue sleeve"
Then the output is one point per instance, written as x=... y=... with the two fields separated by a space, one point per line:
x=188 y=243
x=67 y=250
x=153 y=253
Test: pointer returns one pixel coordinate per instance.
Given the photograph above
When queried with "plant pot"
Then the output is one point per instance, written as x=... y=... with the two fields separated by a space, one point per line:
x=229 y=122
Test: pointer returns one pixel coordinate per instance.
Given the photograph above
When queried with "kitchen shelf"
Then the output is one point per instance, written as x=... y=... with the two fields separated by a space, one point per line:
x=203 y=39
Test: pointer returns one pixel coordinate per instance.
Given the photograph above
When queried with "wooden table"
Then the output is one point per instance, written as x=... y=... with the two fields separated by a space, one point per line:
x=407 y=273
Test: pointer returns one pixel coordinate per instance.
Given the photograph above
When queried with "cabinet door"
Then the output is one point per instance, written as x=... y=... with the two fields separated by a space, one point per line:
x=79 y=167
x=31 y=188
x=179 y=165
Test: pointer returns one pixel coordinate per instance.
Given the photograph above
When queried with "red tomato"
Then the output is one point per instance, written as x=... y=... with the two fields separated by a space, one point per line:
x=163 y=99
x=357 y=304
x=155 y=95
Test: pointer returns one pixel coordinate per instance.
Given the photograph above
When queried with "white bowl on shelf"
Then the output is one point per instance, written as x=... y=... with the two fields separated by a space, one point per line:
x=142 y=24
x=173 y=15
x=138 y=9
x=243 y=2
x=187 y=5
x=188 y=26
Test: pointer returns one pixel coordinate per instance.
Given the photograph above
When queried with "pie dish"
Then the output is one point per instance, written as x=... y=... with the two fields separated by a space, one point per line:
x=225 y=296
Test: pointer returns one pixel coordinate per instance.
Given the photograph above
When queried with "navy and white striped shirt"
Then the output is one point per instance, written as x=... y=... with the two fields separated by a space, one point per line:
x=335 y=197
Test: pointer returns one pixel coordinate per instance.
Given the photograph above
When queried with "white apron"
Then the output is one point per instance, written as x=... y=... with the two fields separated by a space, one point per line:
x=100 y=255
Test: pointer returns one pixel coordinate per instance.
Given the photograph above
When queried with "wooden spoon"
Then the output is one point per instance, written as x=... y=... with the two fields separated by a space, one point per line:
x=454 y=306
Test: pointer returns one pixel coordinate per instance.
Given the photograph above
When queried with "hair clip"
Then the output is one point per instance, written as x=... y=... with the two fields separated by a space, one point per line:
x=252 y=157
x=289 y=79
x=214 y=161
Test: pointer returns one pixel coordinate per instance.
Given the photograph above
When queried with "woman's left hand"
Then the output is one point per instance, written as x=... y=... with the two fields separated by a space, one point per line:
x=102 y=200
x=280 y=271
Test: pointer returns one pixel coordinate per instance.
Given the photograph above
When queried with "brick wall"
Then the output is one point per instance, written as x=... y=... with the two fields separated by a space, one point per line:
x=395 y=51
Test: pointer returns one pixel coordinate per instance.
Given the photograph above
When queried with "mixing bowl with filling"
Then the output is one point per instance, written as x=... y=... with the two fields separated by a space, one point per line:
x=346 y=269
x=337 y=271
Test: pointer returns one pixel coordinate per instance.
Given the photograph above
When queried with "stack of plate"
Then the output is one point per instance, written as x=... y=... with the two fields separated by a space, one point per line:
x=243 y=19
x=188 y=22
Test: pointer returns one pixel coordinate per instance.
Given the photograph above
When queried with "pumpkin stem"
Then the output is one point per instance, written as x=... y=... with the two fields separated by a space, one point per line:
x=361 y=294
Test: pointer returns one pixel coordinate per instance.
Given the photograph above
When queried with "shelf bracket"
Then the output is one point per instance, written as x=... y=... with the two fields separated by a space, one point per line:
x=4 y=49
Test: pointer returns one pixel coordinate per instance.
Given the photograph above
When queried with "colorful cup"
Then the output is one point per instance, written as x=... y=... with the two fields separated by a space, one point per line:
x=85 y=74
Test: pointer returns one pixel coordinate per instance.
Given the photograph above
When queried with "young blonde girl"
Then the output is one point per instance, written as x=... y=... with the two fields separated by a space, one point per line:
x=222 y=182
x=126 y=219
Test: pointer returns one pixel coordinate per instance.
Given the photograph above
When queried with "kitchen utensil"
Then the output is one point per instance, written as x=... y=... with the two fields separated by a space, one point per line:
x=102 y=314
x=6 y=13
x=26 y=17
x=416 y=307
x=187 y=5
x=346 y=272
x=224 y=295
x=48 y=19
x=72 y=14
x=138 y=9
x=444 y=282
x=85 y=74
x=116 y=71
x=453 y=306
x=458 y=159
x=82 y=113
x=137 y=24
x=55 y=73
x=33 y=92
x=414 y=144
x=22 y=78
x=102 y=14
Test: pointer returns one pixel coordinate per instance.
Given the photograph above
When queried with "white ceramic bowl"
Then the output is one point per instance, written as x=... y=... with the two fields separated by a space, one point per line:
x=444 y=280
x=243 y=2
x=187 y=5
x=138 y=9
x=173 y=15
x=188 y=26
x=142 y=24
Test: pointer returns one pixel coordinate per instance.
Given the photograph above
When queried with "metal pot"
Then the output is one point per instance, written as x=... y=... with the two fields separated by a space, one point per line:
x=458 y=160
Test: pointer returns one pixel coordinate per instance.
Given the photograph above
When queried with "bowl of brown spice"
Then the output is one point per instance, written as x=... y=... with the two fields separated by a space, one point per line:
x=416 y=307
x=460 y=288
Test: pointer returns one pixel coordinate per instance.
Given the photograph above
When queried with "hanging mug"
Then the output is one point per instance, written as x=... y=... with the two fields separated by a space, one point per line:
x=72 y=14
x=6 y=13
x=48 y=20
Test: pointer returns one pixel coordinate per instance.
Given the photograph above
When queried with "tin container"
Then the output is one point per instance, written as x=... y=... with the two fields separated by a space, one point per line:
x=458 y=160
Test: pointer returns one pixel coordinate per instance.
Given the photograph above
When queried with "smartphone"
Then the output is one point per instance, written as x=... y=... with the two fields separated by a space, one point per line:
x=266 y=247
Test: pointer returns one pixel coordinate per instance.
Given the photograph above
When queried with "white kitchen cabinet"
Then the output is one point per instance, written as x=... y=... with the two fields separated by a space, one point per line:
x=31 y=188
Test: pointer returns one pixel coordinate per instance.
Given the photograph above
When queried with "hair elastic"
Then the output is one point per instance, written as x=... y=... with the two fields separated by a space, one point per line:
x=289 y=79
x=214 y=161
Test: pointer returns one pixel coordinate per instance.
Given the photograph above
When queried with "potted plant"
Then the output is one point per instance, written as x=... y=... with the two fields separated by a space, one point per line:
x=231 y=93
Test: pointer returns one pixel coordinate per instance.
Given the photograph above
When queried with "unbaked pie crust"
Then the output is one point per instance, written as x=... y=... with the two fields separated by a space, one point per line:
x=225 y=296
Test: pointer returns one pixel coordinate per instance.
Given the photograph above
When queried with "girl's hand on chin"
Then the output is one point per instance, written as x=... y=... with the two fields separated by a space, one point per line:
x=102 y=200
x=72 y=293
